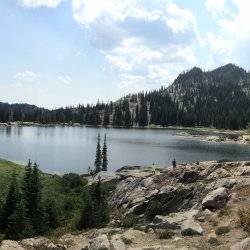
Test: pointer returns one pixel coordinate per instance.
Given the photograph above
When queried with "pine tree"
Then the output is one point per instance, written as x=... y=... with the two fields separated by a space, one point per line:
x=127 y=114
x=98 y=157
x=87 y=215
x=10 y=205
x=19 y=225
x=51 y=212
x=106 y=116
x=104 y=155
x=26 y=188
x=36 y=214
x=101 y=213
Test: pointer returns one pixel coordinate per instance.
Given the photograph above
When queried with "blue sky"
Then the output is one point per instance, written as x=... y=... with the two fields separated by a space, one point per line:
x=65 y=52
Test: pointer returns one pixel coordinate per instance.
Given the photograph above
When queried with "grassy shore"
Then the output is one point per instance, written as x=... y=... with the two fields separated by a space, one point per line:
x=67 y=200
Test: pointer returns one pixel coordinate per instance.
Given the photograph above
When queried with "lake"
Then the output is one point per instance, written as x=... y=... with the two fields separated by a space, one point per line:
x=72 y=149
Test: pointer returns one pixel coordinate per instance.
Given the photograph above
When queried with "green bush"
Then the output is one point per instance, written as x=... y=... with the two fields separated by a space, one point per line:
x=73 y=181
x=222 y=230
x=213 y=242
x=129 y=220
x=244 y=215
x=154 y=208
x=166 y=234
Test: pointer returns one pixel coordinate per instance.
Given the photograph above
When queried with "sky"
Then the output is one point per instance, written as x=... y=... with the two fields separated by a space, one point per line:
x=67 y=52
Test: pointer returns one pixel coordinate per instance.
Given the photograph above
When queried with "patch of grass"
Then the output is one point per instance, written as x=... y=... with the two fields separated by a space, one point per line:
x=129 y=220
x=224 y=212
x=69 y=201
x=222 y=230
x=109 y=186
x=214 y=242
x=166 y=234
x=126 y=241
x=244 y=215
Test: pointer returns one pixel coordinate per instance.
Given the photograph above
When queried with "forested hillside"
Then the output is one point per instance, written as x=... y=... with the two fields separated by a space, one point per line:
x=218 y=98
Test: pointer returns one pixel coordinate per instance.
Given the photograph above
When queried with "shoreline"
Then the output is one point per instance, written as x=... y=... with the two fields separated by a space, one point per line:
x=201 y=133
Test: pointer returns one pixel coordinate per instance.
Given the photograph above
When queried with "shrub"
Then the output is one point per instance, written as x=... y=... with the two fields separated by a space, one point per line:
x=224 y=212
x=244 y=215
x=222 y=230
x=72 y=181
x=130 y=220
x=213 y=242
x=154 y=208
x=165 y=234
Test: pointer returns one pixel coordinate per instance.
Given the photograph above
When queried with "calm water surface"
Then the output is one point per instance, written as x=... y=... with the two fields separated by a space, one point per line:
x=72 y=149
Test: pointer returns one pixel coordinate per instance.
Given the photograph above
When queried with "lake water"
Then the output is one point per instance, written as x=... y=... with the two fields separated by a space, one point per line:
x=72 y=149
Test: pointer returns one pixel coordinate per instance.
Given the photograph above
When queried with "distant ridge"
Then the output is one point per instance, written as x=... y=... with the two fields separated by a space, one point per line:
x=218 y=98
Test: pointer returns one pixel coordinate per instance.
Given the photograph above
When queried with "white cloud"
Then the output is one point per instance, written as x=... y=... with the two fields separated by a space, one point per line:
x=40 y=3
x=231 y=42
x=140 y=39
x=215 y=6
x=26 y=76
x=65 y=79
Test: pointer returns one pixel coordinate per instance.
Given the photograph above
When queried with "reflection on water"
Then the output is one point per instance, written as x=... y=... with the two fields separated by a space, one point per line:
x=68 y=149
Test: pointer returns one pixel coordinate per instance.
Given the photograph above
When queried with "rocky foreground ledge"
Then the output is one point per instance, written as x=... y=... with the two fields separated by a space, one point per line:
x=204 y=205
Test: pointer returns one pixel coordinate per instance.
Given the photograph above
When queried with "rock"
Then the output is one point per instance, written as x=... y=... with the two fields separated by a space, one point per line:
x=190 y=227
x=189 y=176
x=168 y=222
x=100 y=243
x=233 y=197
x=147 y=182
x=218 y=173
x=167 y=189
x=10 y=245
x=104 y=176
x=216 y=199
x=38 y=243
x=117 y=244
x=173 y=220
x=212 y=238
x=130 y=235
x=242 y=245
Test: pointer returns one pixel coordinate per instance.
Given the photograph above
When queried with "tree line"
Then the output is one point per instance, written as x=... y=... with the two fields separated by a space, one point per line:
x=218 y=98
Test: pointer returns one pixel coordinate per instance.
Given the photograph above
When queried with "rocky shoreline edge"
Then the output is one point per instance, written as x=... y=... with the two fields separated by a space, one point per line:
x=204 y=205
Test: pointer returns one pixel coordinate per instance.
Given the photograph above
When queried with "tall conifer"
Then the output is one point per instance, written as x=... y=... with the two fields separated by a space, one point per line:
x=104 y=155
x=98 y=157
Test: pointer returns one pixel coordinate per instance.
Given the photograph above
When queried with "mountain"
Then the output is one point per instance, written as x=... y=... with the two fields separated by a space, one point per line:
x=218 y=98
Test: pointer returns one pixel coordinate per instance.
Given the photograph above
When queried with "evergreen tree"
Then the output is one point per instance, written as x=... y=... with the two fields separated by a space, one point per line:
x=26 y=187
x=10 y=204
x=36 y=213
x=117 y=119
x=51 y=212
x=87 y=215
x=106 y=117
x=104 y=155
x=19 y=225
x=101 y=213
x=143 y=112
x=98 y=156
x=127 y=114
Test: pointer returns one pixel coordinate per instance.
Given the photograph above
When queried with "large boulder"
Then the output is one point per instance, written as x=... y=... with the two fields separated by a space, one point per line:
x=190 y=227
x=101 y=242
x=40 y=243
x=216 y=199
x=173 y=220
x=242 y=245
x=117 y=244
x=10 y=245
x=130 y=235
